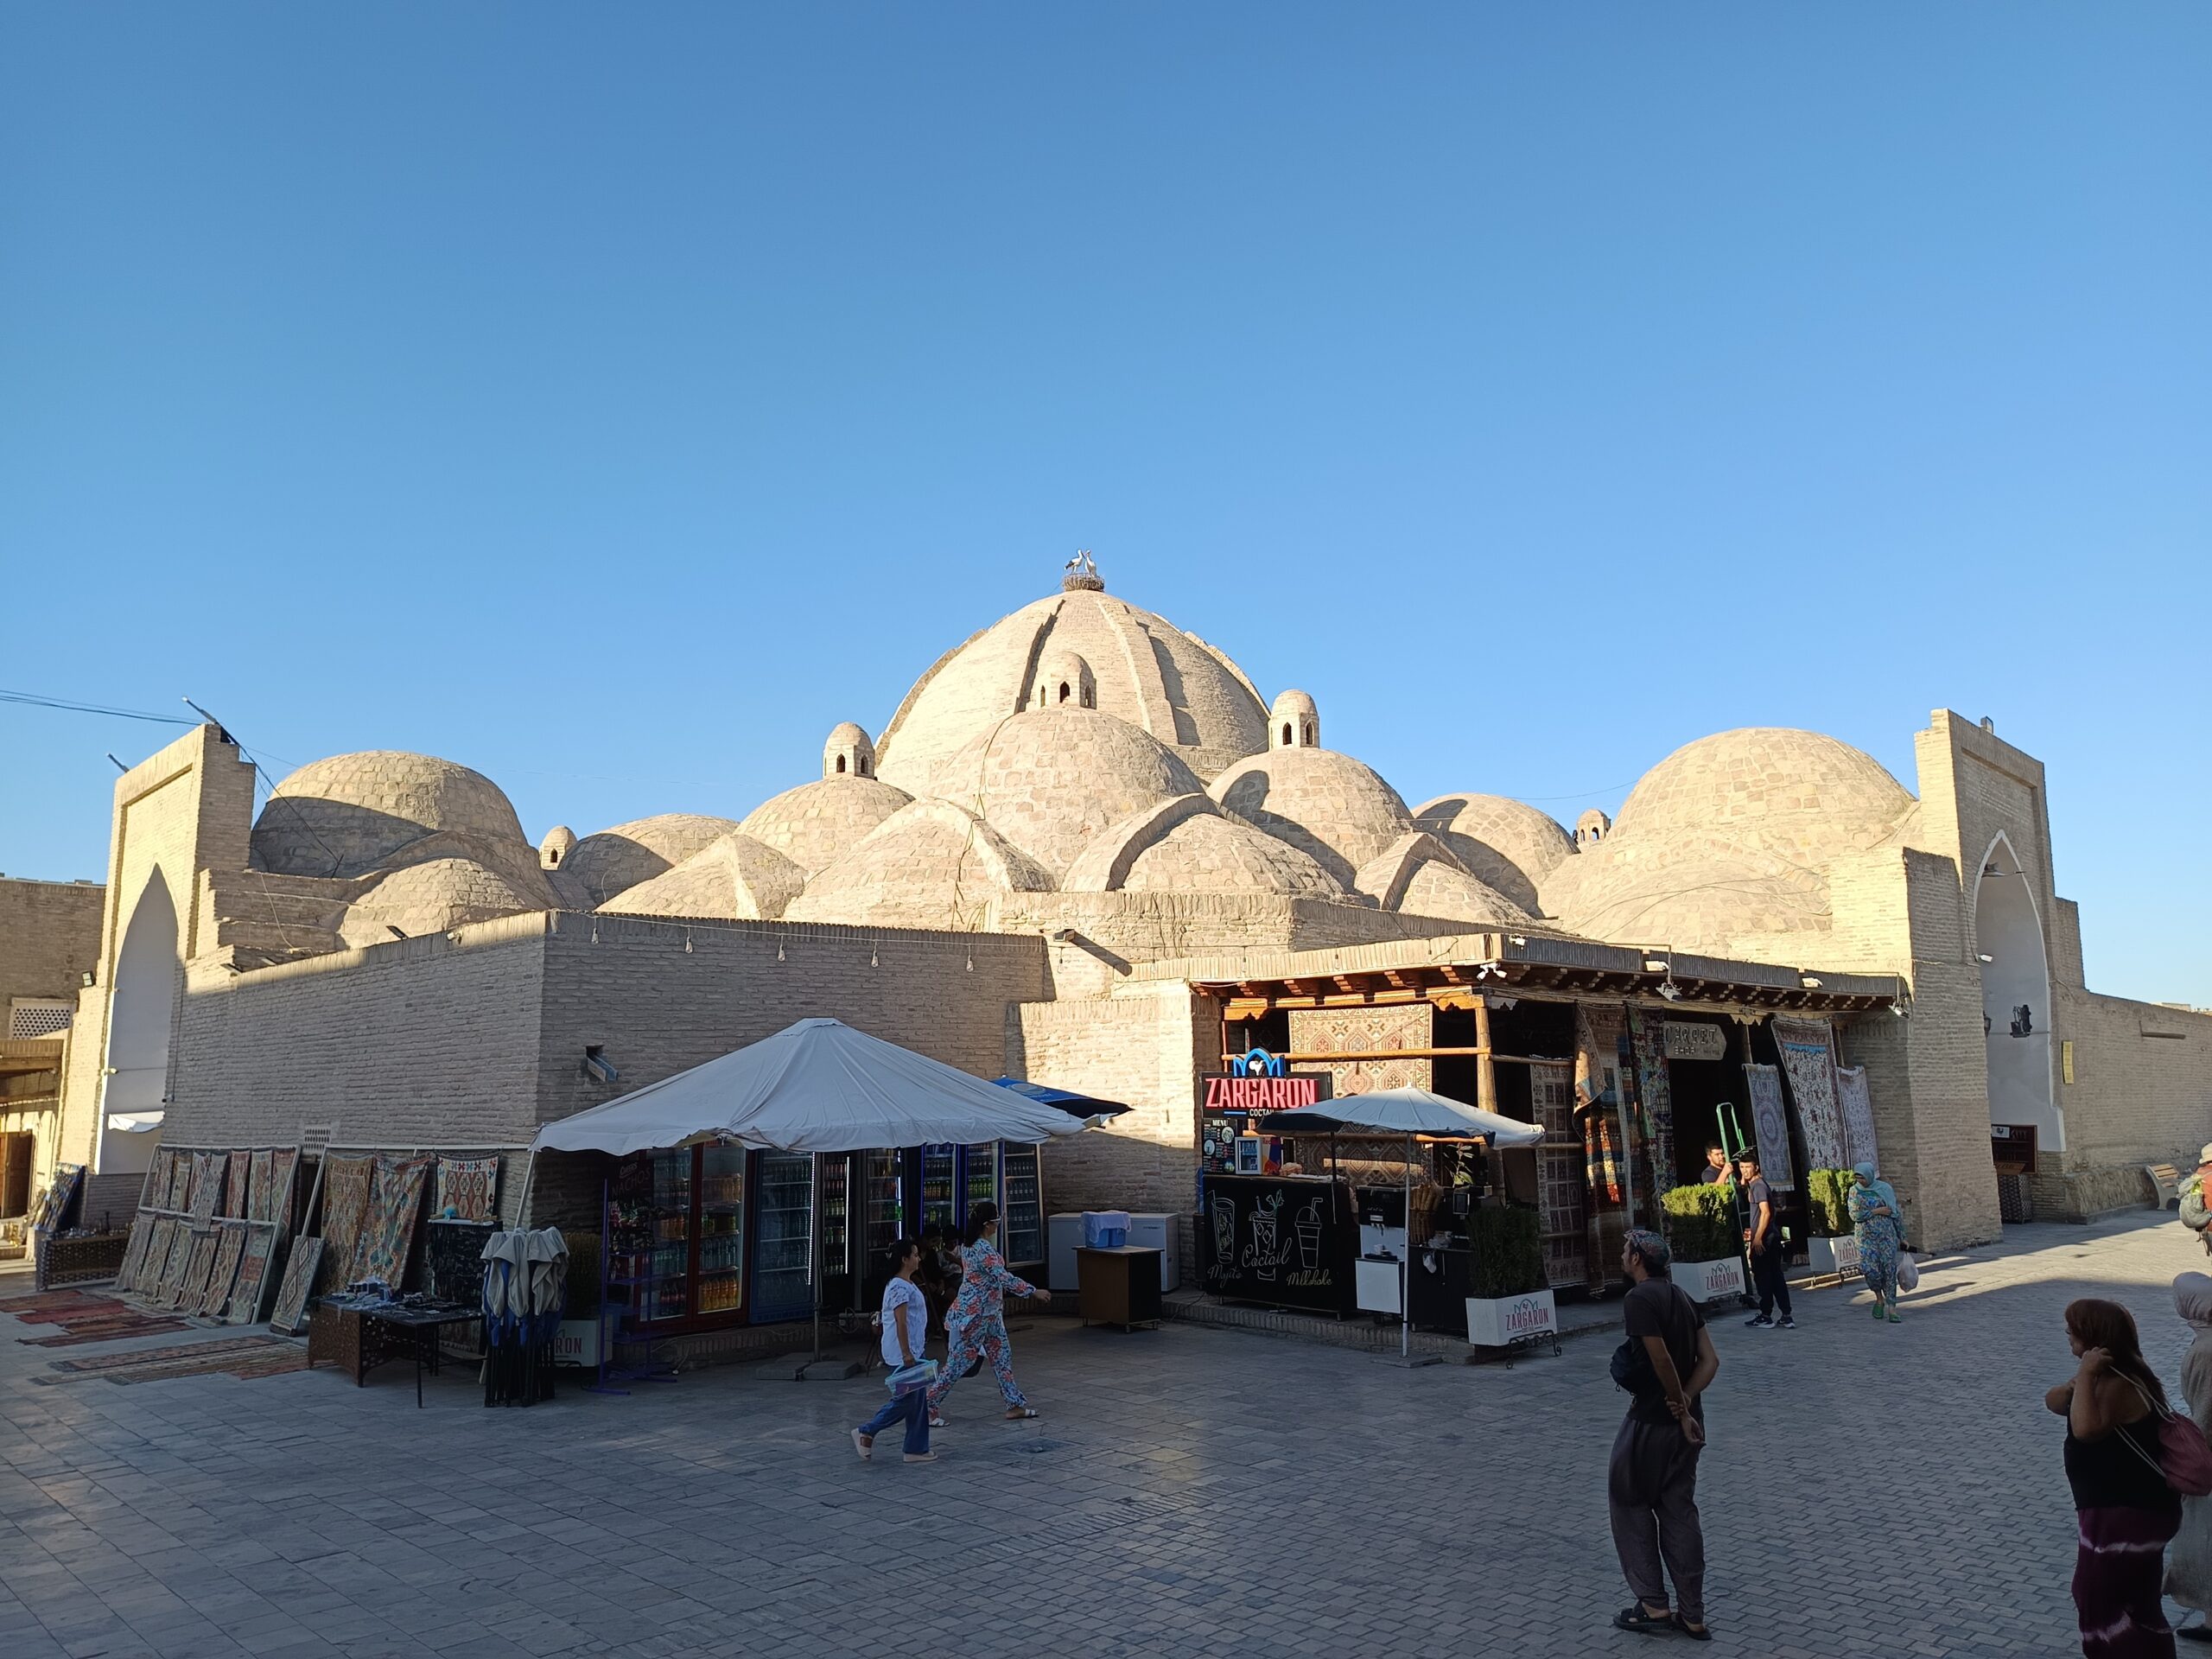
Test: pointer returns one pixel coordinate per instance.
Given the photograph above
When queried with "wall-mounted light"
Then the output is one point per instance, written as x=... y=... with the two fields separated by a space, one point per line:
x=1671 y=991
x=88 y=979
x=1657 y=965
x=1808 y=983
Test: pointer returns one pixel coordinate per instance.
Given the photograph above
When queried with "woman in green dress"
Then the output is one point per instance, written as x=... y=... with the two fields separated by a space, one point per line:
x=1881 y=1232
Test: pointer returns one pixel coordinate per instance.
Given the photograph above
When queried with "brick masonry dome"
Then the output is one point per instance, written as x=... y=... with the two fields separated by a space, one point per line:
x=1148 y=671
x=816 y=823
x=1507 y=844
x=613 y=861
x=1053 y=779
x=354 y=813
x=1800 y=795
x=1336 y=810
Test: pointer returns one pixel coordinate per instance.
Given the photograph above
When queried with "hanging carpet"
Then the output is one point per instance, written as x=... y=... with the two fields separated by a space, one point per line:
x=180 y=1181
x=208 y=1169
x=244 y=1305
x=1656 y=1093
x=467 y=1189
x=228 y=1254
x=204 y=1248
x=346 y=1180
x=1858 y=1108
x=388 y=1230
x=282 y=1165
x=234 y=1191
x=257 y=1200
x=1808 y=1061
x=1771 y=1125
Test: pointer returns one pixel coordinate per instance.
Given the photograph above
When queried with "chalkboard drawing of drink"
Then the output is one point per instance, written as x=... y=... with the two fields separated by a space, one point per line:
x=1263 y=1257
x=1225 y=1231
x=1309 y=1236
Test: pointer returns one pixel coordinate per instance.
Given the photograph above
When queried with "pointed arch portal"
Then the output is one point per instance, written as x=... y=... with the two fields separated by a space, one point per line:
x=148 y=977
x=2016 y=997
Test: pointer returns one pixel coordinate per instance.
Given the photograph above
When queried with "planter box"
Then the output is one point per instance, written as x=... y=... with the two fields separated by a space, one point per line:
x=1508 y=1319
x=1837 y=1256
x=1708 y=1282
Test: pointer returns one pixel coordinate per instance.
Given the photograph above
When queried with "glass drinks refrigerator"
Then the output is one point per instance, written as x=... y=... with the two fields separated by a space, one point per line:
x=676 y=1237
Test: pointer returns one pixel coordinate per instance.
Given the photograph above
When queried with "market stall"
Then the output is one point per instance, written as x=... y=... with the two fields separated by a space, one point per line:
x=814 y=1093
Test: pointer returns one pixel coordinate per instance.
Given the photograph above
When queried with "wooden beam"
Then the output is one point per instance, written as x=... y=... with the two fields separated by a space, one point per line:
x=1485 y=1065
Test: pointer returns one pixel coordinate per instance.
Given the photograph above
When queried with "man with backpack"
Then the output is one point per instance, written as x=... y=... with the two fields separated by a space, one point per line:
x=1666 y=1364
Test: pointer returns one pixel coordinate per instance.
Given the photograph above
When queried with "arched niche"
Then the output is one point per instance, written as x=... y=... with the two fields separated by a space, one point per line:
x=2016 y=997
x=140 y=1016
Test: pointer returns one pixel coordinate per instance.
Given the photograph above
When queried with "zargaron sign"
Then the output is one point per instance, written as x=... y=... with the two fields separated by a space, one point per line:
x=1221 y=1094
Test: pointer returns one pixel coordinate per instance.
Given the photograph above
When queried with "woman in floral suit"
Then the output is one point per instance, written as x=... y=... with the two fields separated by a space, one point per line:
x=976 y=1323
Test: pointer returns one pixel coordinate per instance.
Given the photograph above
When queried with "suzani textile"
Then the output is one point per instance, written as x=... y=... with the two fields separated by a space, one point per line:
x=291 y=1310
x=257 y=1200
x=1808 y=1061
x=1771 y=1125
x=1858 y=1114
x=388 y=1230
x=253 y=1266
x=282 y=1165
x=347 y=1180
x=1655 y=1092
x=228 y=1252
x=467 y=1189
x=234 y=1191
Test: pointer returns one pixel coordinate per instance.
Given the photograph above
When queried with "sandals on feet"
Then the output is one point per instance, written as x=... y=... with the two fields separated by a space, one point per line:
x=1695 y=1632
x=1020 y=1413
x=1633 y=1618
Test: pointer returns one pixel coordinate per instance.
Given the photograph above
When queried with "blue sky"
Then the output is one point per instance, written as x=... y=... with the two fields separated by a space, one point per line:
x=614 y=400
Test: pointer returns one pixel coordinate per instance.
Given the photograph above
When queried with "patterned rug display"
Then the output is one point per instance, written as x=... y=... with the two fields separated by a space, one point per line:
x=244 y=1305
x=1808 y=1061
x=1858 y=1106
x=1771 y=1125
x=467 y=1189
x=259 y=1201
x=51 y=1307
x=291 y=1310
x=282 y=1167
x=107 y=1327
x=388 y=1229
x=204 y=1246
x=241 y=1164
x=347 y=1180
x=240 y=1356
x=1655 y=1094
x=227 y=1256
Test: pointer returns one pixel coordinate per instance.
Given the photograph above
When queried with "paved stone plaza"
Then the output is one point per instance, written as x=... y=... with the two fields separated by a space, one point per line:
x=1871 y=1490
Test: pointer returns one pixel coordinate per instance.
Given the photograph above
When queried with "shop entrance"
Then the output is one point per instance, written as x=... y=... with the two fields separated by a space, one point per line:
x=15 y=1154
x=1704 y=1072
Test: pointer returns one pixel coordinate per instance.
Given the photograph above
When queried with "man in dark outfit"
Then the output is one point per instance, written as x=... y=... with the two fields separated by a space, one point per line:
x=1762 y=1241
x=1666 y=1364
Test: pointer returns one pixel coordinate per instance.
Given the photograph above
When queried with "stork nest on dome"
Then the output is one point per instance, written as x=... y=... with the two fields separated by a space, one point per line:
x=1082 y=575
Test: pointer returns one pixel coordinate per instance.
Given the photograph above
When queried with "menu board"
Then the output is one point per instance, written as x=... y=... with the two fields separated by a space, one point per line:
x=1281 y=1240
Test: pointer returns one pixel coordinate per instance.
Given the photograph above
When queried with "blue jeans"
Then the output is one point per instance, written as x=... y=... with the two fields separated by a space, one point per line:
x=911 y=1409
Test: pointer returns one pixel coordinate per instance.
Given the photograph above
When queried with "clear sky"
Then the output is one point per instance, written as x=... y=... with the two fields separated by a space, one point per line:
x=612 y=399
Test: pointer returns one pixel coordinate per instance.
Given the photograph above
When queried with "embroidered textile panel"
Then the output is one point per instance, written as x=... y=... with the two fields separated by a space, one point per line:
x=388 y=1230
x=291 y=1310
x=246 y=1294
x=208 y=1170
x=282 y=1165
x=257 y=1200
x=171 y=1284
x=1858 y=1108
x=1655 y=1094
x=1771 y=1125
x=134 y=1253
x=467 y=1188
x=225 y=1272
x=347 y=1180
x=1326 y=1031
x=234 y=1189
x=1808 y=1061
x=204 y=1246
x=179 y=1182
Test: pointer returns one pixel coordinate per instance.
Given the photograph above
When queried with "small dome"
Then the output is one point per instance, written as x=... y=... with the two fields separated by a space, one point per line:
x=614 y=861
x=815 y=823
x=1051 y=780
x=1708 y=903
x=1417 y=875
x=1591 y=828
x=929 y=865
x=430 y=898
x=354 y=813
x=732 y=878
x=1148 y=671
x=1189 y=845
x=560 y=841
x=1293 y=723
x=1331 y=807
x=1503 y=843
x=1801 y=795
x=848 y=752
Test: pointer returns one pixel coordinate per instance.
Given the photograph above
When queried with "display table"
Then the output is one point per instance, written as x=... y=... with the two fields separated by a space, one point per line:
x=359 y=1339
x=1119 y=1286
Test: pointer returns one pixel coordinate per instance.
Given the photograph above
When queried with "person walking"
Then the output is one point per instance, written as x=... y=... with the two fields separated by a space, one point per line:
x=2195 y=1214
x=1763 y=1237
x=976 y=1323
x=1666 y=1364
x=2126 y=1512
x=1879 y=1224
x=905 y=1318
x=2189 y=1566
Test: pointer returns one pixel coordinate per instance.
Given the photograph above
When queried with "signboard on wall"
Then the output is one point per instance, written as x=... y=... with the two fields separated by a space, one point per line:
x=1692 y=1039
x=1228 y=1102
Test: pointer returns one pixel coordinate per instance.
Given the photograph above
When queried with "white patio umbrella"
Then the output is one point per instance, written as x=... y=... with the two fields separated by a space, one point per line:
x=818 y=1086
x=1409 y=1112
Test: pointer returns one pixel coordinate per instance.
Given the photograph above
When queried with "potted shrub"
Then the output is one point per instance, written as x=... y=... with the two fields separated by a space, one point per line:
x=1834 y=1246
x=1509 y=1299
x=1706 y=1240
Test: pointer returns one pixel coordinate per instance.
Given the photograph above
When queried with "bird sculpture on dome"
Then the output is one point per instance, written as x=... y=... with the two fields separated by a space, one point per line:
x=1082 y=573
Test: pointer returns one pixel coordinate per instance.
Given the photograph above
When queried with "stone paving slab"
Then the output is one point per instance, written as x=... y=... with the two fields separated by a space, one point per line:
x=1189 y=1490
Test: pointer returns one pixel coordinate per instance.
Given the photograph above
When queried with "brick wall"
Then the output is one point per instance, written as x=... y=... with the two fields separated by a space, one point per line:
x=49 y=935
x=2142 y=1088
x=1145 y=1045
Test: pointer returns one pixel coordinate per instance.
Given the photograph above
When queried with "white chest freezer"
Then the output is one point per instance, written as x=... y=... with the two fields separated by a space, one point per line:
x=1162 y=1233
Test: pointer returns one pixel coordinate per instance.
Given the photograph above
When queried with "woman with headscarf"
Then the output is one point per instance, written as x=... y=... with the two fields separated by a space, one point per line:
x=1880 y=1227
x=2189 y=1567
x=2124 y=1510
